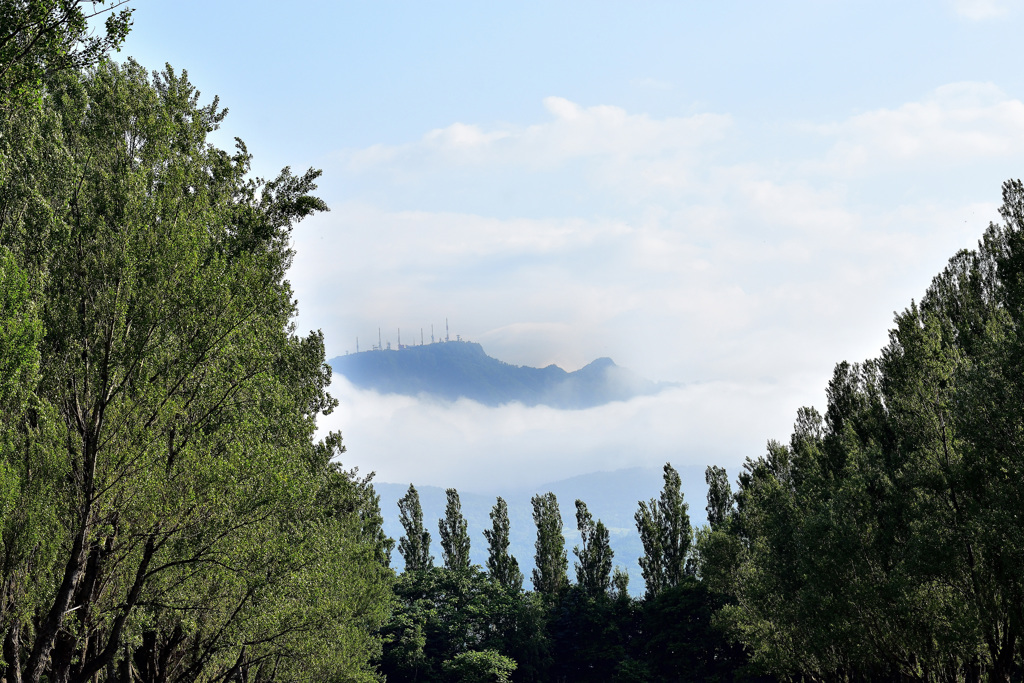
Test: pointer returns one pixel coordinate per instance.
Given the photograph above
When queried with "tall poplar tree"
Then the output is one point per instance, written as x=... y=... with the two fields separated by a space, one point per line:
x=454 y=536
x=551 y=562
x=501 y=565
x=414 y=546
x=594 y=565
x=664 y=528
x=719 y=495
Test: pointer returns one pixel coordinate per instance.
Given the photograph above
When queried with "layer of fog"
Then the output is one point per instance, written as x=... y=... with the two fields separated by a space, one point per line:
x=472 y=447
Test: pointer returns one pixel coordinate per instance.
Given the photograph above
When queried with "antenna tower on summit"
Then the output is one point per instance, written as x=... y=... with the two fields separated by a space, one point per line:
x=431 y=333
x=380 y=344
x=446 y=337
x=399 y=338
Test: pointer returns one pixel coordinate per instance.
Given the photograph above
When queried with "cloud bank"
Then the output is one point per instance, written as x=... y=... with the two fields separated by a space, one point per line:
x=478 y=448
x=741 y=258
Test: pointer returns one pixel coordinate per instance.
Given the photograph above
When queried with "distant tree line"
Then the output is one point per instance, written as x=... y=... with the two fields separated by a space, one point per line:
x=462 y=617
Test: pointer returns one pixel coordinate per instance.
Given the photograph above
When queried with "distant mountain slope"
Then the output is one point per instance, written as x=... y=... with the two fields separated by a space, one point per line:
x=459 y=369
x=611 y=497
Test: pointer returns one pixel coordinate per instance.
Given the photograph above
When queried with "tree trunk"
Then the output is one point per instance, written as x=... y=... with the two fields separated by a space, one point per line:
x=12 y=653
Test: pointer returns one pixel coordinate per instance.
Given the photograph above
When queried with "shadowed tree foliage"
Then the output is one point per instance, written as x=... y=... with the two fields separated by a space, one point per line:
x=909 y=491
x=501 y=566
x=594 y=554
x=454 y=537
x=551 y=562
x=442 y=615
x=664 y=528
x=414 y=546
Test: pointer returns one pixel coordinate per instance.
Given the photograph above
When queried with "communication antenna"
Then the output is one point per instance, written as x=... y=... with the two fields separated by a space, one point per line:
x=380 y=344
x=446 y=337
x=421 y=336
x=431 y=333
x=399 y=338
x=357 y=344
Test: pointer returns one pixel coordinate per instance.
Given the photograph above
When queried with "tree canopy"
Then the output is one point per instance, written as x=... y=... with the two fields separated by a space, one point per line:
x=551 y=562
x=414 y=546
x=164 y=502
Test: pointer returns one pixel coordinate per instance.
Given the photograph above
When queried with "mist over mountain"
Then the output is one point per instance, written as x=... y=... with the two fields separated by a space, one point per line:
x=612 y=497
x=461 y=369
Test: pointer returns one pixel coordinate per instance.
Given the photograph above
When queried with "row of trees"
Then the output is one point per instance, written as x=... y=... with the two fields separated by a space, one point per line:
x=165 y=511
x=480 y=621
x=663 y=525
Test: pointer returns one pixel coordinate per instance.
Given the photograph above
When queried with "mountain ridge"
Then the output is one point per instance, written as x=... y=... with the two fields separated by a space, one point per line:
x=462 y=369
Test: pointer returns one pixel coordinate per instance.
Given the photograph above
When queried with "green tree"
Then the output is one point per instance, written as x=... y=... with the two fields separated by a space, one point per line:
x=551 y=562
x=906 y=490
x=43 y=37
x=681 y=642
x=620 y=583
x=414 y=546
x=594 y=554
x=486 y=666
x=501 y=565
x=664 y=528
x=454 y=536
x=719 y=496
x=164 y=472
x=715 y=551
x=442 y=614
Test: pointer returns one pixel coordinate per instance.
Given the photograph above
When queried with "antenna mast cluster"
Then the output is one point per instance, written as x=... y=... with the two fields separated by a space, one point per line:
x=380 y=346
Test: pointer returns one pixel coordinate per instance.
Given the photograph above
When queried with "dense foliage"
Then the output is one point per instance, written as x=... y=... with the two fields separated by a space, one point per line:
x=464 y=623
x=885 y=540
x=165 y=512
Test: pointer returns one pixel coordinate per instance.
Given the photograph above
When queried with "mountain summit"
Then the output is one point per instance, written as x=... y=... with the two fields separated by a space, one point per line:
x=461 y=369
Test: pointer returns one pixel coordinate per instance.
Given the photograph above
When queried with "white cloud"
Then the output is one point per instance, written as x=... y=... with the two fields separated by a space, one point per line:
x=957 y=123
x=460 y=136
x=475 y=447
x=979 y=10
x=574 y=132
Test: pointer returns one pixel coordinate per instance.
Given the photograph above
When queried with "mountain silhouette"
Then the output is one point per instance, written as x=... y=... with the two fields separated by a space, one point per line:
x=461 y=369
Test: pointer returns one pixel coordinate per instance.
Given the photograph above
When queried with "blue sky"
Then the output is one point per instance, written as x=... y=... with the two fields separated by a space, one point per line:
x=733 y=196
